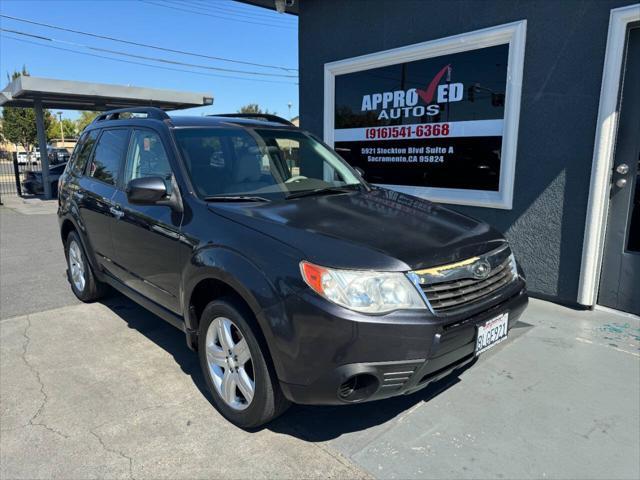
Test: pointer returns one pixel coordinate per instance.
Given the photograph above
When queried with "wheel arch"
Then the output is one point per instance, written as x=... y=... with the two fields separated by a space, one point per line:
x=69 y=224
x=213 y=286
x=208 y=289
x=217 y=272
x=66 y=228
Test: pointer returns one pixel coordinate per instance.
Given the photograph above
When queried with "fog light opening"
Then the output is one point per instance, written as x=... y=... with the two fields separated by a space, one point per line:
x=358 y=387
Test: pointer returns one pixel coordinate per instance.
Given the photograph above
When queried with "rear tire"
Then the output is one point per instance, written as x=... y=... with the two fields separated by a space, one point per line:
x=83 y=282
x=236 y=365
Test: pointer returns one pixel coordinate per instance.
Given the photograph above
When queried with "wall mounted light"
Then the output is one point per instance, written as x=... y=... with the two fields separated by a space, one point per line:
x=281 y=5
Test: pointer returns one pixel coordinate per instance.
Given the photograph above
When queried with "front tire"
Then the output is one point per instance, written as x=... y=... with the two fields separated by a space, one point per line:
x=238 y=373
x=83 y=282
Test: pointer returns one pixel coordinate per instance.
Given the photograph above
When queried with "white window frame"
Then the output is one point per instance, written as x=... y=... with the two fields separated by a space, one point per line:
x=603 y=154
x=514 y=35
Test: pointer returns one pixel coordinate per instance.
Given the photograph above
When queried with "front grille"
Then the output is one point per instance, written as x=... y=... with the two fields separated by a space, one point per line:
x=459 y=289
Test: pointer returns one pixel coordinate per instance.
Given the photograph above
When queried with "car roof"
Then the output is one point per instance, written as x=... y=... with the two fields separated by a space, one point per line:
x=213 y=121
x=182 y=121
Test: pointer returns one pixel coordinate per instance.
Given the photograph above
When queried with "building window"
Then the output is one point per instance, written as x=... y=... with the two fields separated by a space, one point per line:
x=437 y=120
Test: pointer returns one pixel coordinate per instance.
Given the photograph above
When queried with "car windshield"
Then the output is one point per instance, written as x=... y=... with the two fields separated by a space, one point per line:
x=261 y=164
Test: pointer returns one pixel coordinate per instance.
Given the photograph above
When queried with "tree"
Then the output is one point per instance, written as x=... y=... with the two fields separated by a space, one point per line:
x=85 y=119
x=19 y=124
x=69 y=127
x=254 y=108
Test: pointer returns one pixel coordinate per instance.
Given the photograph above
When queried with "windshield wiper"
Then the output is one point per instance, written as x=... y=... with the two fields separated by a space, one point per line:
x=321 y=191
x=235 y=198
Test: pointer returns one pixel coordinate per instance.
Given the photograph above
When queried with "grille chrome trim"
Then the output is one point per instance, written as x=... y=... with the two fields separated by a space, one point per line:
x=454 y=287
x=459 y=287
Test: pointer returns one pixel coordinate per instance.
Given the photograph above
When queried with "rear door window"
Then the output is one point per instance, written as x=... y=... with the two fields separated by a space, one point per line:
x=83 y=151
x=109 y=155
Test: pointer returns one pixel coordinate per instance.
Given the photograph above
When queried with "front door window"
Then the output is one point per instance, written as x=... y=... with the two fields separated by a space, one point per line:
x=147 y=158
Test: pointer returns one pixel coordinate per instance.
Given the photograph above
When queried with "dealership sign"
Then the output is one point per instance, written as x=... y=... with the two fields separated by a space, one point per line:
x=436 y=122
x=404 y=103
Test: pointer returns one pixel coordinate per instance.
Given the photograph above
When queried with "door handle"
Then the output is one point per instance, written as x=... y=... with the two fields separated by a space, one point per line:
x=116 y=212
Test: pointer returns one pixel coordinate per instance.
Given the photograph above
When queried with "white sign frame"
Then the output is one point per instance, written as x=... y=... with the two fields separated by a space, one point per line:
x=513 y=34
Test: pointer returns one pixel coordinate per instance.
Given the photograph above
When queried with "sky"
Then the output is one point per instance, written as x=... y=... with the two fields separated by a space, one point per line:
x=218 y=28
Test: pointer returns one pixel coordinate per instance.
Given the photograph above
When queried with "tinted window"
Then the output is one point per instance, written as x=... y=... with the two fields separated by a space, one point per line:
x=147 y=158
x=83 y=152
x=109 y=154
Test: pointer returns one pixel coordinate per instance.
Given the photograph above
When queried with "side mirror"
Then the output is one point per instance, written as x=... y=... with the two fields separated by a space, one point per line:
x=146 y=191
x=360 y=171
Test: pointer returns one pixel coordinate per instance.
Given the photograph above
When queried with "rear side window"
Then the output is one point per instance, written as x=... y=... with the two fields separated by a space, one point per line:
x=109 y=155
x=83 y=151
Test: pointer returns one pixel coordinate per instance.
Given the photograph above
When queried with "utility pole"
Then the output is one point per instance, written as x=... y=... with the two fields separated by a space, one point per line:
x=289 y=105
x=61 y=128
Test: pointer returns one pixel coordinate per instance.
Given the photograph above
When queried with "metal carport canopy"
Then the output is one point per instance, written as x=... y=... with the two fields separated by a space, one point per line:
x=73 y=95
x=40 y=93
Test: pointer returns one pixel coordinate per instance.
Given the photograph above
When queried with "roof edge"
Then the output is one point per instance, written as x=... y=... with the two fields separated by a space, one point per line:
x=270 y=5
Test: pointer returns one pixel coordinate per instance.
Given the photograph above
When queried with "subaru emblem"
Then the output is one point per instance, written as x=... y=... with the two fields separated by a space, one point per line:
x=481 y=269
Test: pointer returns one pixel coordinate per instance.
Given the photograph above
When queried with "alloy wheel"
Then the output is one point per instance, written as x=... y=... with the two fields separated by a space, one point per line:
x=229 y=362
x=76 y=266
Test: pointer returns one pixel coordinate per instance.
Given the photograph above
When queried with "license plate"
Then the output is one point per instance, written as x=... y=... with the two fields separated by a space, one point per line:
x=492 y=333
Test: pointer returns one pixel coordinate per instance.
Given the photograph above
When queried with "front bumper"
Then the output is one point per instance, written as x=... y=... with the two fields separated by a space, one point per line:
x=390 y=355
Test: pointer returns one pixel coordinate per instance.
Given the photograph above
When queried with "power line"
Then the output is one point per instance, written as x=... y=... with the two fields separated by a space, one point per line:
x=154 y=59
x=211 y=7
x=146 y=64
x=215 y=16
x=146 y=45
x=228 y=9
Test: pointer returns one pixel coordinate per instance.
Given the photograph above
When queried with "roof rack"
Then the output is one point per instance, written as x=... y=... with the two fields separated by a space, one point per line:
x=152 y=112
x=264 y=117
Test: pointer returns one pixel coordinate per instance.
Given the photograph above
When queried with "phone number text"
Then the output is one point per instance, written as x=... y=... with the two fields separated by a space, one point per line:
x=408 y=131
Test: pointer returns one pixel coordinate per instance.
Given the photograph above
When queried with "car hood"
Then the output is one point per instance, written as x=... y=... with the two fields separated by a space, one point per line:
x=379 y=229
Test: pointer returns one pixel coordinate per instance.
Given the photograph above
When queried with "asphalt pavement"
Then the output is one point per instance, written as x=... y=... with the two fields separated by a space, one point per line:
x=32 y=268
x=108 y=390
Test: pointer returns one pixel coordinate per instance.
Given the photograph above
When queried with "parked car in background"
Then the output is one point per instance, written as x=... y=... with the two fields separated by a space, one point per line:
x=58 y=155
x=34 y=185
x=293 y=278
x=23 y=158
x=31 y=158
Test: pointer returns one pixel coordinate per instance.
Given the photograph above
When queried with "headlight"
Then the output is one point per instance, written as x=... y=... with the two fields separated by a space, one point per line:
x=363 y=291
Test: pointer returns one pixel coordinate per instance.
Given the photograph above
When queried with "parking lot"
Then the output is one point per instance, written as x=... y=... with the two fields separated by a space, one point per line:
x=108 y=390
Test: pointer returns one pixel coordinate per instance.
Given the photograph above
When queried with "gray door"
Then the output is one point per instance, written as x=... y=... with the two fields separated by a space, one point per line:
x=620 y=280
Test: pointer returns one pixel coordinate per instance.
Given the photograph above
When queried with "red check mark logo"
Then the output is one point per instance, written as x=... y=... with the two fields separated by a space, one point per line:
x=427 y=95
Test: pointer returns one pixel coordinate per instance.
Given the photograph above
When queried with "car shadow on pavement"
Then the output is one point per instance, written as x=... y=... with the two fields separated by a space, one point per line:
x=161 y=333
x=309 y=423
x=322 y=423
